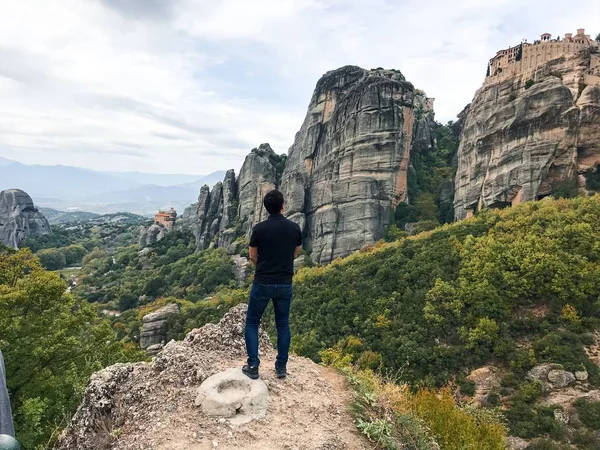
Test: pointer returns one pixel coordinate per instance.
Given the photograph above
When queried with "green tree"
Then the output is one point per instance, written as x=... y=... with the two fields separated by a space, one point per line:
x=74 y=253
x=51 y=343
x=52 y=259
x=425 y=207
x=598 y=37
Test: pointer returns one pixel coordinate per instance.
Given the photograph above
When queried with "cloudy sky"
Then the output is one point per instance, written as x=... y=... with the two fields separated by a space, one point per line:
x=190 y=86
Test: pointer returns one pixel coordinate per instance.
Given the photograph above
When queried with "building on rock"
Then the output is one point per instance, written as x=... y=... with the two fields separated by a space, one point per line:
x=166 y=218
x=533 y=128
x=526 y=57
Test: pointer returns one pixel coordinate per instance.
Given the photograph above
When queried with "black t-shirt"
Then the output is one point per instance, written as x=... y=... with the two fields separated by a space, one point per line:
x=276 y=239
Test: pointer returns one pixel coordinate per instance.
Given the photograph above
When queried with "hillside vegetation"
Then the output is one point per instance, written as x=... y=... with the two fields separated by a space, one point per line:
x=511 y=288
x=51 y=343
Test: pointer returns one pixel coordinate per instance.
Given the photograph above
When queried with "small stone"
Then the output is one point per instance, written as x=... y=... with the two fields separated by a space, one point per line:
x=215 y=444
x=561 y=416
x=516 y=443
x=581 y=375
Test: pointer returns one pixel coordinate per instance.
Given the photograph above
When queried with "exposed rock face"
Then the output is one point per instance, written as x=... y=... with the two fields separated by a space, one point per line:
x=257 y=177
x=560 y=378
x=199 y=223
x=240 y=269
x=188 y=217
x=154 y=330
x=229 y=203
x=487 y=380
x=347 y=168
x=522 y=142
x=234 y=206
x=19 y=218
x=344 y=175
x=151 y=235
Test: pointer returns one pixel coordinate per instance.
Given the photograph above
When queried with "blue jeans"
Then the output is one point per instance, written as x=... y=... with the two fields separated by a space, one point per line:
x=281 y=294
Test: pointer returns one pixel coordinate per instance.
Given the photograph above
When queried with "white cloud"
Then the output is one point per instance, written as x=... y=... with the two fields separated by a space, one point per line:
x=192 y=85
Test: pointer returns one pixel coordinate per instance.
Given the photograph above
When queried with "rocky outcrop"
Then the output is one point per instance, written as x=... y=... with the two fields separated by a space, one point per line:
x=153 y=404
x=347 y=168
x=229 y=201
x=19 y=218
x=257 y=177
x=529 y=136
x=240 y=269
x=344 y=175
x=154 y=329
x=151 y=235
x=233 y=207
x=200 y=222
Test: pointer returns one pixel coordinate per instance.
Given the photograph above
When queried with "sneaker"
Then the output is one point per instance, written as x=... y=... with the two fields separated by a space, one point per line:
x=250 y=371
x=280 y=370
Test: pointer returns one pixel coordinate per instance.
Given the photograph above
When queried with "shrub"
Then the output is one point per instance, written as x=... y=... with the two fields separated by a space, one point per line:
x=589 y=413
x=529 y=83
x=52 y=259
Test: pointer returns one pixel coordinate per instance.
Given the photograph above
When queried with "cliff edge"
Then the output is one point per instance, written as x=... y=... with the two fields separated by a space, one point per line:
x=155 y=405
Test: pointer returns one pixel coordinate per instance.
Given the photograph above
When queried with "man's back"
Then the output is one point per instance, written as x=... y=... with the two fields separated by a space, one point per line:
x=276 y=239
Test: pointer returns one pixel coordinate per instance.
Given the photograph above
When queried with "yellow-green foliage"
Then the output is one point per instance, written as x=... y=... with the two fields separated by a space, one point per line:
x=433 y=306
x=381 y=403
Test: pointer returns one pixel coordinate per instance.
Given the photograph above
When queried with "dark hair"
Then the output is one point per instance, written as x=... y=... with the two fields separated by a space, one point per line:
x=273 y=201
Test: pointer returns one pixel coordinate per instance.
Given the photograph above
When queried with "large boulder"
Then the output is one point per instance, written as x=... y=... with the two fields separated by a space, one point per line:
x=154 y=331
x=232 y=395
x=19 y=218
x=541 y=371
x=560 y=378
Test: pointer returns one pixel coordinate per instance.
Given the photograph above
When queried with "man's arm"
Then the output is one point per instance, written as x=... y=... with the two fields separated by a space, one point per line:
x=297 y=251
x=253 y=254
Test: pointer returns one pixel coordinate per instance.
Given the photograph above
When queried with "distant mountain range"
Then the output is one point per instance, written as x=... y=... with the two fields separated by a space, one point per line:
x=75 y=189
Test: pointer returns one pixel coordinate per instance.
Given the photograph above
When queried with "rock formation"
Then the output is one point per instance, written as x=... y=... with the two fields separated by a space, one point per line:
x=347 y=168
x=257 y=177
x=233 y=396
x=153 y=404
x=151 y=235
x=154 y=329
x=530 y=135
x=230 y=210
x=19 y=218
x=343 y=176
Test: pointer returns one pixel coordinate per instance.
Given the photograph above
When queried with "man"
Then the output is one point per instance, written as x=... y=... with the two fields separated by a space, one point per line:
x=274 y=245
x=6 y=423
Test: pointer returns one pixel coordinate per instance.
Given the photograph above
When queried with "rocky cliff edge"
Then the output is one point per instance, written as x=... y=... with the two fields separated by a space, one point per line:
x=153 y=405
